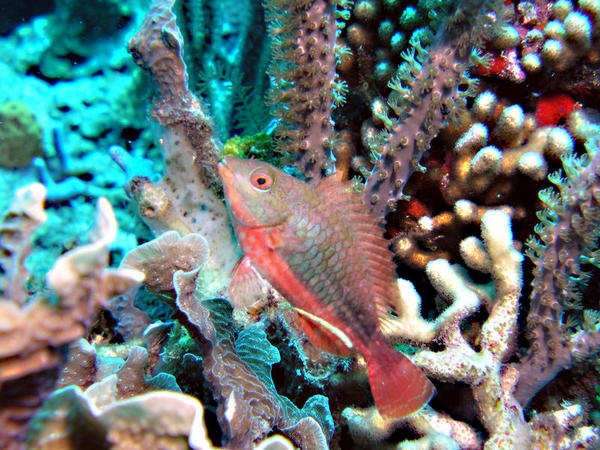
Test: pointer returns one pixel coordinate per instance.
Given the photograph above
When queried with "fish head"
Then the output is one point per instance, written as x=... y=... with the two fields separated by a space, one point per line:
x=257 y=193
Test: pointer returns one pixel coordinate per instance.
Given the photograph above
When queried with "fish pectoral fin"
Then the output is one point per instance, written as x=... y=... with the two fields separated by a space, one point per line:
x=324 y=335
x=248 y=290
x=279 y=236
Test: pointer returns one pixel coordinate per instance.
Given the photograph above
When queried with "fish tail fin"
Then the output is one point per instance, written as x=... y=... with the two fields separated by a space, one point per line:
x=398 y=386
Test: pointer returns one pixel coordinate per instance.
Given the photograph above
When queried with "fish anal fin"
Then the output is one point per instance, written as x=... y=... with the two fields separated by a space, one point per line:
x=248 y=290
x=323 y=335
x=398 y=386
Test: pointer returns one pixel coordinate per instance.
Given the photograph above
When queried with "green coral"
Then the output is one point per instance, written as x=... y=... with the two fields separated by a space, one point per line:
x=20 y=135
x=179 y=344
x=259 y=146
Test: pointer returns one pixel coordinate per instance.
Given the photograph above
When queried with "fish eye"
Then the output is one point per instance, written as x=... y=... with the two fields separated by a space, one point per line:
x=261 y=179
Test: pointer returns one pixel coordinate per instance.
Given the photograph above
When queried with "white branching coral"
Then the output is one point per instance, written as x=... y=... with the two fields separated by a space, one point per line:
x=410 y=325
x=485 y=370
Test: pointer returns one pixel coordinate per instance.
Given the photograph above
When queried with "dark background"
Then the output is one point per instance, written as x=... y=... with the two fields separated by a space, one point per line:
x=15 y=12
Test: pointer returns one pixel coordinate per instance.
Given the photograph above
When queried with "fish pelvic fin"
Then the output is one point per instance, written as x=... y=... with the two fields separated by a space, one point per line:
x=398 y=386
x=248 y=290
x=323 y=335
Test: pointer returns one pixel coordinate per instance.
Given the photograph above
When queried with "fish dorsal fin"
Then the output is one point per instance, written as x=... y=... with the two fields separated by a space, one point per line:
x=369 y=248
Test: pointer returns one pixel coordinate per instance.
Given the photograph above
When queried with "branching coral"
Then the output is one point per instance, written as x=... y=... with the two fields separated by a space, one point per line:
x=184 y=200
x=485 y=370
x=303 y=94
x=409 y=104
x=568 y=250
x=423 y=89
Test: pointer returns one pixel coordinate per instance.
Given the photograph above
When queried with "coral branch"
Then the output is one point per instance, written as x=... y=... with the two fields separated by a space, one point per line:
x=158 y=48
x=569 y=242
x=304 y=76
x=185 y=199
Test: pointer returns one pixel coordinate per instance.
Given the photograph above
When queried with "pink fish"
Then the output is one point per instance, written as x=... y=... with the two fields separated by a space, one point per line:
x=323 y=251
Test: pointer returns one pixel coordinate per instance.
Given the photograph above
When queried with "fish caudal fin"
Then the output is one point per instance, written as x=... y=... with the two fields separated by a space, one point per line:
x=398 y=386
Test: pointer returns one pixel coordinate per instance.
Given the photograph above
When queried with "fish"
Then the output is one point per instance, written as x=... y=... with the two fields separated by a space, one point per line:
x=322 y=250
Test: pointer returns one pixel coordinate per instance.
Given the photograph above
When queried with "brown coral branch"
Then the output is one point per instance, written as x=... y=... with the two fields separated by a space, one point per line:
x=158 y=48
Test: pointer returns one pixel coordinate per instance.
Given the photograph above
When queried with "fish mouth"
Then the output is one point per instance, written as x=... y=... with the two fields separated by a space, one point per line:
x=228 y=177
x=225 y=172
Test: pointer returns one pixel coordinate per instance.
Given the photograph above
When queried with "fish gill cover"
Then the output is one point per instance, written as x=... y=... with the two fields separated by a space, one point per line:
x=469 y=129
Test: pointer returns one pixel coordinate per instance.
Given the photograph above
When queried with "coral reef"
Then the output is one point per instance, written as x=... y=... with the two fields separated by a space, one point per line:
x=452 y=119
x=36 y=326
